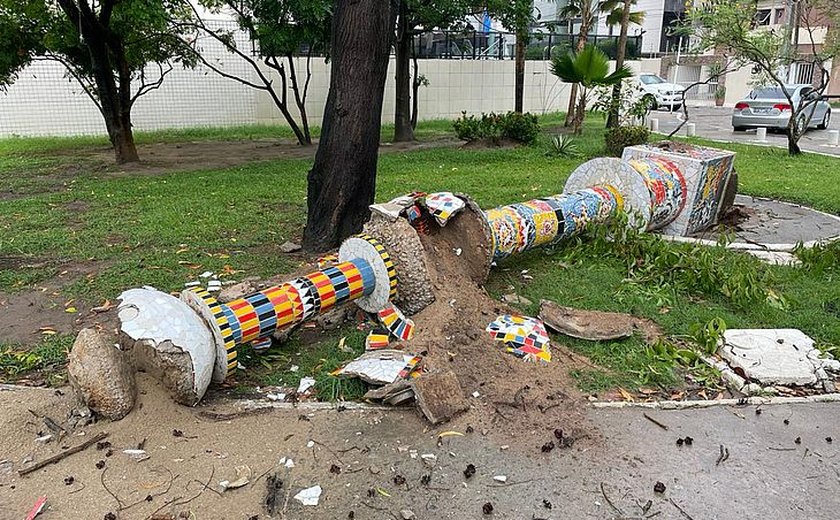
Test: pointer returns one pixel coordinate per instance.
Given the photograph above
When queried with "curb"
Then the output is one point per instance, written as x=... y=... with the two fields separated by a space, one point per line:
x=683 y=405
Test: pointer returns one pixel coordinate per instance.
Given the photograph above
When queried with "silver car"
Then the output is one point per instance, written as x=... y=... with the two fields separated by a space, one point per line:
x=768 y=107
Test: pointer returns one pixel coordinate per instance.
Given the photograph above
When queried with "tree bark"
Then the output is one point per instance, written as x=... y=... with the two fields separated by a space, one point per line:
x=519 y=85
x=107 y=54
x=403 y=130
x=581 y=43
x=342 y=181
x=415 y=91
x=612 y=118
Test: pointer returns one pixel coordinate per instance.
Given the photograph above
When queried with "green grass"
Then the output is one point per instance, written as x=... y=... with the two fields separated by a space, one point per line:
x=165 y=229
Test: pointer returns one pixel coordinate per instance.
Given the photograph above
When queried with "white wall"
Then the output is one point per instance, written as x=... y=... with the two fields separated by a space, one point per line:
x=43 y=102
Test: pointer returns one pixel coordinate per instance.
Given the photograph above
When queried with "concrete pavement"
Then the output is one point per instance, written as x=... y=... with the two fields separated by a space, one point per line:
x=715 y=123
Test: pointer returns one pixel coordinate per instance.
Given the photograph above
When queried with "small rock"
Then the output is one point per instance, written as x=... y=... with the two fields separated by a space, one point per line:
x=407 y=514
x=752 y=389
x=659 y=487
x=289 y=247
x=487 y=508
x=101 y=375
x=469 y=471
x=500 y=478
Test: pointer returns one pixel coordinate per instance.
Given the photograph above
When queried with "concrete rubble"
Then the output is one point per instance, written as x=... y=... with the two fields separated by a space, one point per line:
x=102 y=376
x=762 y=357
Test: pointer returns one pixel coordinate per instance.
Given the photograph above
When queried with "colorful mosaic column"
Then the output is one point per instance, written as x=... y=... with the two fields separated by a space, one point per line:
x=651 y=190
x=365 y=274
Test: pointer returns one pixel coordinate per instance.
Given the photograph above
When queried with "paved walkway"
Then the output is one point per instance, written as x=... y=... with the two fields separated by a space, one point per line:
x=715 y=123
x=360 y=459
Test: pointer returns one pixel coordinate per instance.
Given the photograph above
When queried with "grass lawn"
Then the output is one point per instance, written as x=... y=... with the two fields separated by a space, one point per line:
x=164 y=229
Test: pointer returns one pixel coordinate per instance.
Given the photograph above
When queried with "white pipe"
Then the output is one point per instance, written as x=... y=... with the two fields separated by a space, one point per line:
x=690 y=130
x=761 y=135
x=834 y=137
x=654 y=124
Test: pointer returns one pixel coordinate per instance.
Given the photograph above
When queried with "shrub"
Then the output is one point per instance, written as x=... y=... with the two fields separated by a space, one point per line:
x=519 y=127
x=619 y=137
x=563 y=146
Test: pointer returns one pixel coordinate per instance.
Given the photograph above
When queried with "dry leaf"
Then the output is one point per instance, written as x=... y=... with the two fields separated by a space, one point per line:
x=625 y=394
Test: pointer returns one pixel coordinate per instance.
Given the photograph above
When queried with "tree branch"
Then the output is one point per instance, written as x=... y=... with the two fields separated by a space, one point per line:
x=83 y=82
x=145 y=88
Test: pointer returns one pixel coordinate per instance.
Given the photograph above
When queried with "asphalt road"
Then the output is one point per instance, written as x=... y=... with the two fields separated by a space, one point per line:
x=715 y=123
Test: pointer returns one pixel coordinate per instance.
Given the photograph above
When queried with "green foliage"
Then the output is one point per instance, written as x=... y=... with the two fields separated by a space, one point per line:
x=562 y=146
x=519 y=127
x=707 y=335
x=50 y=354
x=665 y=270
x=610 y=48
x=589 y=68
x=619 y=137
x=822 y=258
x=31 y=29
x=632 y=103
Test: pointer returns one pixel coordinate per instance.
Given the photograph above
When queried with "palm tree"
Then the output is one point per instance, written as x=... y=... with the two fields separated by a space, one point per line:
x=586 y=11
x=587 y=69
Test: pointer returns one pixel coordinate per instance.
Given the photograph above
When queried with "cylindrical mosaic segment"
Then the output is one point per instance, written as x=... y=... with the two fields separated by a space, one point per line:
x=538 y=222
x=667 y=187
x=258 y=315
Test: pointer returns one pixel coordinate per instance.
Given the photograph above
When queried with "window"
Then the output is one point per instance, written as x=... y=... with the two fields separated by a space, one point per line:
x=650 y=79
x=762 y=17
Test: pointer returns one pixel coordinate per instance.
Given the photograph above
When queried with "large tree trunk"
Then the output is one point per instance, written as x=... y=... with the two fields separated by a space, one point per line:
x=612 y=118
x=403 y=130
x=519 y=85
x=342 y=181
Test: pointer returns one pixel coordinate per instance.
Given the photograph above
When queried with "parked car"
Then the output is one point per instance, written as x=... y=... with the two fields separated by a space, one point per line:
x=660 y=92
x=769 y=107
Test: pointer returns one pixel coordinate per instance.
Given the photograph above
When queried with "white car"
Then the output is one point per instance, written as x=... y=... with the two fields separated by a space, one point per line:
x=660 y=92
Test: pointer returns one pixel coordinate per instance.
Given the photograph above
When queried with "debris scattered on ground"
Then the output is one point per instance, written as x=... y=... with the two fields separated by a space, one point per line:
x=654 y=421
x=659 y=487
x=595 y=325
x=487 y=508
x=469 y=471
x=439 y=396
x=289 y=247
x=523 y=337
x=407 y=514
x=243 y=477
x=272 y=501
x=500 y=478
x=64 y=454
x=724 y=455
x=309 y=496
x=443 y=205
x=376 y=367
x=776 y=356
x=515 y=299
x=37 y=508
x=377 y=339
x=306 y=383
x=101 y=375
x=396 y=393
x=397 y=324
x=137 y=454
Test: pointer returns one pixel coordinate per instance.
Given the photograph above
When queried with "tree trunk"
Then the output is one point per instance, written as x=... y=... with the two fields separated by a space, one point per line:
x=342 y=181
x=519 y=85
x=403 y=131
x=580 y=113
x=793 y=136
x=415 y=91
x=612 y=118
x=107 y=54
x=581 y=43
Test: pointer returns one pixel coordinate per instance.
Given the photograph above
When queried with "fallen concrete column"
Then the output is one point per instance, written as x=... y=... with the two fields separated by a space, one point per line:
x=191 y=340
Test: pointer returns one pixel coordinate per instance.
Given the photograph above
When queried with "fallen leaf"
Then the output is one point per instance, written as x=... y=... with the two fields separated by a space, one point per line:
x=449 y=434
x=70 y=310
x=648 y=391
x=104 y=307
x=382 y=492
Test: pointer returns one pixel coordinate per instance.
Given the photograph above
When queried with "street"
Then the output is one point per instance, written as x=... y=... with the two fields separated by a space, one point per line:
x=715 y=123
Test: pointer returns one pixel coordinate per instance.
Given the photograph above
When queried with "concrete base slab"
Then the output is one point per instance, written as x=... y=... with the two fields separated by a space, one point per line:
x=771 y=356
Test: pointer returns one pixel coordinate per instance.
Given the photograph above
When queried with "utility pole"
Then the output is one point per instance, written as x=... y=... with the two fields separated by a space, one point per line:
x=785 y=68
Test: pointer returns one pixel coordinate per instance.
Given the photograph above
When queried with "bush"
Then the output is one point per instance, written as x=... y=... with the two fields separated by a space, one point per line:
x=562 y=146
x=519 y=127
x=619 y=137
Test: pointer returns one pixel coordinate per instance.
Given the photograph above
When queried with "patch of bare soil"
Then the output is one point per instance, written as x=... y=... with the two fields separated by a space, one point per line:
x=161 y=158
x=490 y=144
x=515 y=398
x=27 y=315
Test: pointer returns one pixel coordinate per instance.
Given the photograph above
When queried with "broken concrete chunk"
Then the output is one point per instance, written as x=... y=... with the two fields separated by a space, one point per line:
x=594 y=325
x=309 y=496
x=101 y=375
x=169 y=340
x=771 y=356
x=289 y=247
x=439 y=396
x=378 y=366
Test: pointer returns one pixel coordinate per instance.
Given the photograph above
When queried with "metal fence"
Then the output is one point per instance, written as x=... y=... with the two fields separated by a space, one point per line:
x=478 y=45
